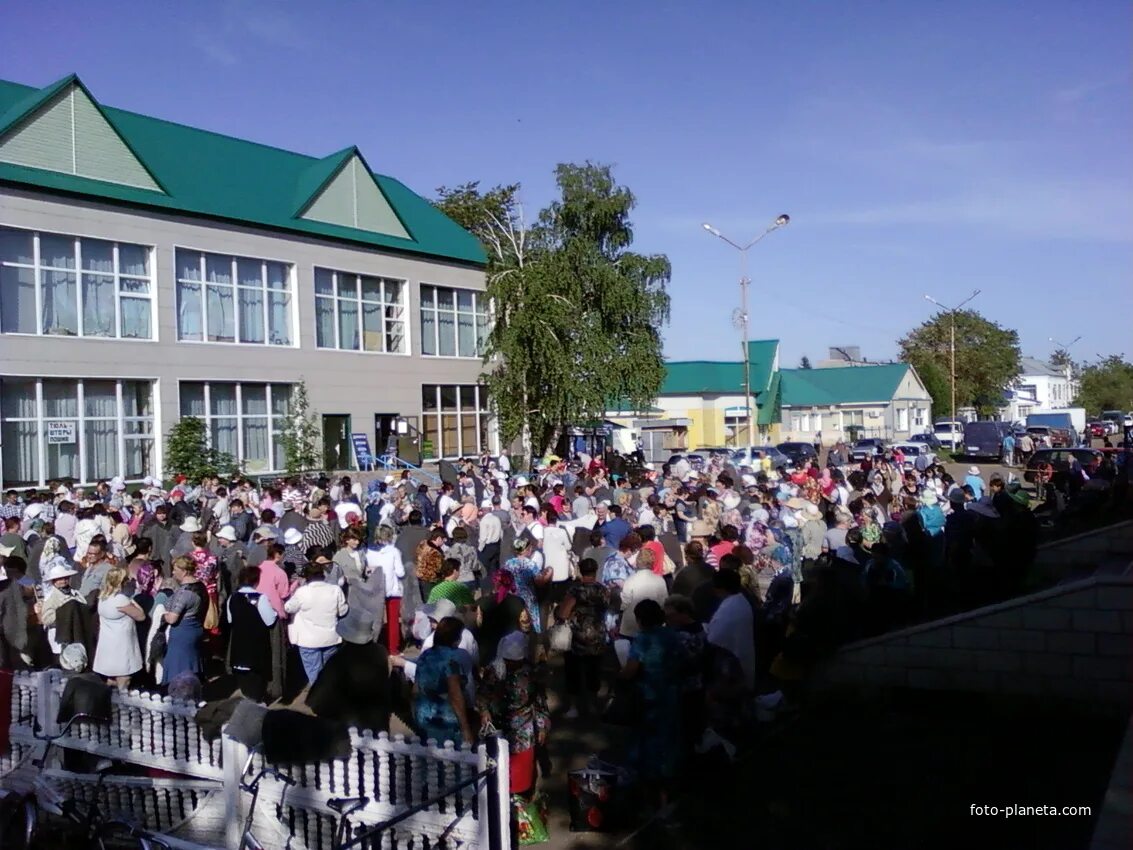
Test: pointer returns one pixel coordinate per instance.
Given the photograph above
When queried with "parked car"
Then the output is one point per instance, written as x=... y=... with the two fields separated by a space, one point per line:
x=950 y=434
x=869 y=447
x=1059 y=437
x=1059 y=459
x=912 y=450
x=753 y=457
x=1099 y=428
x=983 y=440
x=799 y=453
x=929 y=439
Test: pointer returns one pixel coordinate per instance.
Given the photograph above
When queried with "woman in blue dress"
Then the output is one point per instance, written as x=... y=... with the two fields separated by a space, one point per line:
x=527 y=575
x=440 y=711
x=654 y=666
x=185 y=617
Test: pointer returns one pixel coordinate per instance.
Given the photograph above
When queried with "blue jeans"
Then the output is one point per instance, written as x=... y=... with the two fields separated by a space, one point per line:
x=314 y=658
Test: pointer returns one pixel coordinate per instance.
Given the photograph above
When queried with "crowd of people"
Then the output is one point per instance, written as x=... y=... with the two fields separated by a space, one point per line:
x=683 y=602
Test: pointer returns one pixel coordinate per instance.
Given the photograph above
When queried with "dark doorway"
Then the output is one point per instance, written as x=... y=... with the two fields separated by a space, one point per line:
x=336 y=442
x=385 y=428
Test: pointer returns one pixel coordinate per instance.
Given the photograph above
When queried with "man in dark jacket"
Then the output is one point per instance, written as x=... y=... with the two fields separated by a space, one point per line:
x=163 y=533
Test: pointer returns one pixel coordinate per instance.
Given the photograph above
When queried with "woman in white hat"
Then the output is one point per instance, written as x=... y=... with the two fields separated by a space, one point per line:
x=57 y=574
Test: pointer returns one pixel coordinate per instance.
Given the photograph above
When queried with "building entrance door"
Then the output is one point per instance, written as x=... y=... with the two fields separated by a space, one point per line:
x=336 y=442
x=385 y=428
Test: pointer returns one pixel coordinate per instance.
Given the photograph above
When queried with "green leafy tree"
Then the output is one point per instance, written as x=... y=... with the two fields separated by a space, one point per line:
x=1060 y=359
x=301 y=435
x=804 y=362
x=987 y=359
x=576 y=311
x=188 y=453
x=1106 y=385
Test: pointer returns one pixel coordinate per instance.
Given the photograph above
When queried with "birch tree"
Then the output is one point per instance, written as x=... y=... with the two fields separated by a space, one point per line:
x=577 y=315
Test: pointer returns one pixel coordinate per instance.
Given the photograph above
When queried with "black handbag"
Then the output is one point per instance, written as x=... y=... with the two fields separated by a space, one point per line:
x=625 y=709
x=159 y=645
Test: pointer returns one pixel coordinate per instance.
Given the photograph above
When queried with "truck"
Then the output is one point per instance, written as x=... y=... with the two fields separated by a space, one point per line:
x=1072 y=419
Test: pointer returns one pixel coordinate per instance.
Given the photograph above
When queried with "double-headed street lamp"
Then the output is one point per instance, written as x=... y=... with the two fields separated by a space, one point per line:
x=742 y=318
x=952 y=348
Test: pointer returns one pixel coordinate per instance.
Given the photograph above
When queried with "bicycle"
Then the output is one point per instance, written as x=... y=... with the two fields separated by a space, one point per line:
x=20 y=812
x=344 y=807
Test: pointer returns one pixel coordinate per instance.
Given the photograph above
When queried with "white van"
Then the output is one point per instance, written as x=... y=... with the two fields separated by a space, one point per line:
x=950 y=434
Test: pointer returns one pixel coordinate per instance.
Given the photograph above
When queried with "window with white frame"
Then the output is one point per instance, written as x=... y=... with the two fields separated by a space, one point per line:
x=74 y=286
x=456 y=419
x=233 y=299
x=355 y=312
x=454 y=322
x=902 y=419
x=918 y=417
x=85 y=429
x=245 y=420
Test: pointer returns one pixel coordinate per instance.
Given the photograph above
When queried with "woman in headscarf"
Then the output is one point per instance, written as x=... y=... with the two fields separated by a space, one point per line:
x=511 y=699
x=500 y=612
x=207 y=575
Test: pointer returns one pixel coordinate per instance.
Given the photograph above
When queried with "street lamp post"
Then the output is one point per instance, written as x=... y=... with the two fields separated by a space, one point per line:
x=951 y=311
x=781 y=221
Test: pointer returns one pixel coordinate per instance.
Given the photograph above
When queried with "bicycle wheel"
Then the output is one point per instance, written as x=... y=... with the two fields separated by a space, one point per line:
x=17 y=823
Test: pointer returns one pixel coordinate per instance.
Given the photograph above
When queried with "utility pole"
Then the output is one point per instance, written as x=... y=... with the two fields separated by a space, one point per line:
x=951 y=311
x=742 y=317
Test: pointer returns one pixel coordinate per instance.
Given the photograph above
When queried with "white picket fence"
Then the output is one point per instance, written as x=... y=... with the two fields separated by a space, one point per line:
x=204 y=806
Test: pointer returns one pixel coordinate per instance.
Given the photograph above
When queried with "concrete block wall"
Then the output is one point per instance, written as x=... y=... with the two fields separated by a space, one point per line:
x=1061 y=559
x=1073 y=641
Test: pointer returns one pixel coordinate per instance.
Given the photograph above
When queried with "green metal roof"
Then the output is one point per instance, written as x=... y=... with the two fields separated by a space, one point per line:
x=715 y=377
x=208 y=174
x=841 y=385
x=703 y=377
x=769 y=408
x=762 y=354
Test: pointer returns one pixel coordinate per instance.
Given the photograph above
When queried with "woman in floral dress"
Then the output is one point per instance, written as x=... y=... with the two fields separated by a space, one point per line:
x=512 y=700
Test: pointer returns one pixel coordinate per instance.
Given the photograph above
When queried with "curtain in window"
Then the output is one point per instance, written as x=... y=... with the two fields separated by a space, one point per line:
x=371 y=326
x=251 y=314
x=256 y=442
x=100 y=403
x=348 y=324
x=428 y=332
x=98 y=305
x=192 y=399
x=135 y=311
x=133 y=260
x=324 y=322
x=279 y=317
x=221 y=313
x=222 y=402
x=61 y=404
x=139 y=458
x=17 y=300
x=190 y=323
x=446 y=323
x=20 y=456
x=466 y=332
x=60 y=303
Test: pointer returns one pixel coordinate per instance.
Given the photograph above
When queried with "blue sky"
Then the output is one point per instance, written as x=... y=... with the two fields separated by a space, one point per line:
x=919 y=147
